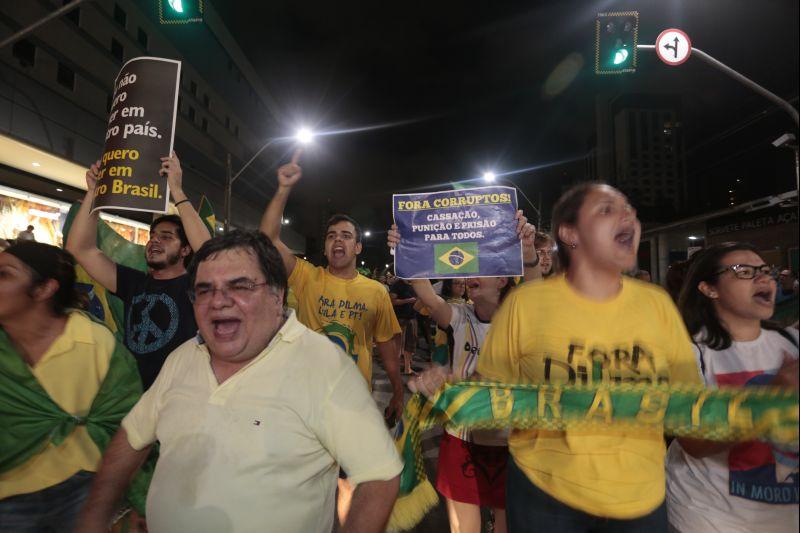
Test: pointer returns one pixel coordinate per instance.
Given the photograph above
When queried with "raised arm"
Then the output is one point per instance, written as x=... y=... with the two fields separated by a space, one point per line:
x=82 y=238
x=288 y=176
x=439 y=309
x=196 y=231
x=120 y=462
x=530 y=260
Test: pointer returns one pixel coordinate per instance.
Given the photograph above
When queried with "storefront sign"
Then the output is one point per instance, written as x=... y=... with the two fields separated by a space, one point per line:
x=763 y=218
x=141 y=130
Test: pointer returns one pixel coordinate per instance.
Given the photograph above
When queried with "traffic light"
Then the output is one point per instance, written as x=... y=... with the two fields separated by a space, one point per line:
x=616 y=37
x=180 y=11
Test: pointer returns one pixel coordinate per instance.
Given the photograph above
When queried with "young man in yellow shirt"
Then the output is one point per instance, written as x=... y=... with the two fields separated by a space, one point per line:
x=350 y=309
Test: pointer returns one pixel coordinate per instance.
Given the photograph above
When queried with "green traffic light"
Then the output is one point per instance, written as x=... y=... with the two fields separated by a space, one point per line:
x=620 y=56
x=180 y=11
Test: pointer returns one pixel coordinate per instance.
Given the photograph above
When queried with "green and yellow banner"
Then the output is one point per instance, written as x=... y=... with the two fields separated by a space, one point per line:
x=724 y=414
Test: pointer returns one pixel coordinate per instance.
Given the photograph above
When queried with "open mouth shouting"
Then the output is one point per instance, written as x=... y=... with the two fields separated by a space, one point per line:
x=337 y=252
x=225 y=328
x=765 y=297
x=625 y=238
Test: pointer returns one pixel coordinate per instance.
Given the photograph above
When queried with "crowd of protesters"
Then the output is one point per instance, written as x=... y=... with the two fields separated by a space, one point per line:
x=261 y=415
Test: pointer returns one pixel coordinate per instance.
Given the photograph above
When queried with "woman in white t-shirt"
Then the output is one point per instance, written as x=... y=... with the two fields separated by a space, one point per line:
x=718 y=487
x=471 y=472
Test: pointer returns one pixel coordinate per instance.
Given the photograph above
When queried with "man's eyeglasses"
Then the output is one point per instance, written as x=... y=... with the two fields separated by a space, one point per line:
x=202 y=294
x=162 y=237
x=748 y=271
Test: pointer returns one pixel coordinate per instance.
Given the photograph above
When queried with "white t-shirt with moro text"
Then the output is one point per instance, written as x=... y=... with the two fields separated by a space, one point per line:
x=753 y=486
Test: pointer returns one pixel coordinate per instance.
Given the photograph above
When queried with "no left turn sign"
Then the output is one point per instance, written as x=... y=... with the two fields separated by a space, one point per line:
x=673 y=47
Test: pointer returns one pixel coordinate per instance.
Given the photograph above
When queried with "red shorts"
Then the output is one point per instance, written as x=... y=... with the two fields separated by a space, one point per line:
x=472 y=473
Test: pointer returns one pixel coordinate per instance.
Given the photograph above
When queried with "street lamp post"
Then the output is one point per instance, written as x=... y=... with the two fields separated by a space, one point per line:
x=44 y=20
x=231 y=178
x=491 y=177
x=303 y=136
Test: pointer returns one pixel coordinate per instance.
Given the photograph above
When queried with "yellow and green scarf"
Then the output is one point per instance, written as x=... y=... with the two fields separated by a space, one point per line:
x=724 y=414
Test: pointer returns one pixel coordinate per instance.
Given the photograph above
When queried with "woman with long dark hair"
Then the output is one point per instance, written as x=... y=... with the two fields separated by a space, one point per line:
x=726 y=300
x=589 y=324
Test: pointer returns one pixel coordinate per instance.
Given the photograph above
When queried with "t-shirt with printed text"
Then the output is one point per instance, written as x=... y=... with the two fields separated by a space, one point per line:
x=548 y=333
x=350 y=312
x=158 y=318
x=753 y=486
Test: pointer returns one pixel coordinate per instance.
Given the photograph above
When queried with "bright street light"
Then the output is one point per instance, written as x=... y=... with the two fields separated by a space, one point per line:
x=304 y=136
x=285 y=221
x=368 y=233
x=362 y=263
x=488 y=177
x=693 y=238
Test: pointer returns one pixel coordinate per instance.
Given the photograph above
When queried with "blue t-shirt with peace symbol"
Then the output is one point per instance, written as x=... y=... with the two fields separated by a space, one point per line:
x=158 y=318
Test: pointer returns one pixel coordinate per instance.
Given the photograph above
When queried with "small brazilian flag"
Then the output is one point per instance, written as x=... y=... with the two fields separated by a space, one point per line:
x=459 y=258
x=206 y=213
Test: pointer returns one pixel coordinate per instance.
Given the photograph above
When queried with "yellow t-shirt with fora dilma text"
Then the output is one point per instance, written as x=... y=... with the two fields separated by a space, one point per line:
x=547 y=333
x=350 y=312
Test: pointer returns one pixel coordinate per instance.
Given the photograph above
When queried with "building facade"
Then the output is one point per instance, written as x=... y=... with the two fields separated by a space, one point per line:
x=638 y=147
x=56 y=87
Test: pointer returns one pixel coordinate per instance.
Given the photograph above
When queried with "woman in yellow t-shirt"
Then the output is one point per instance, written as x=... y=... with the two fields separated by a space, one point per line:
x=587 y=325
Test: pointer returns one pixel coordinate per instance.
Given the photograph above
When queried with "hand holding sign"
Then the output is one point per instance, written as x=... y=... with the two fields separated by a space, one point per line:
x=393 y=237
x=526 y=233
x=171 y=168
x=92 y=175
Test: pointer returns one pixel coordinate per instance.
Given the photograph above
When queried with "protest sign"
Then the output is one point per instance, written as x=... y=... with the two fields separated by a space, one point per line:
x=456 y=234
x=141 y=130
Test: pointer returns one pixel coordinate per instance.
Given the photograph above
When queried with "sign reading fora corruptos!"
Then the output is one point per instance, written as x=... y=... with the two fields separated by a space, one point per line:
x=141 y=130
x=457 y=234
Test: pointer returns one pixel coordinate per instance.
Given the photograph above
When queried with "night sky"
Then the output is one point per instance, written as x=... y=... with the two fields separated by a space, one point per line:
x=466 y=86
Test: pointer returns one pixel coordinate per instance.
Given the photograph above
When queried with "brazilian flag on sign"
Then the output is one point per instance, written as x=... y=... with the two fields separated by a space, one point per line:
x=458 y=258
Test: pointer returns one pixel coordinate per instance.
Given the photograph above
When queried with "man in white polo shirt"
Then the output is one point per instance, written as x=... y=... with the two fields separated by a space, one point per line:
x=253 y=418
